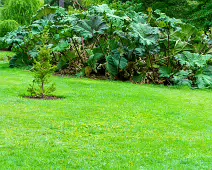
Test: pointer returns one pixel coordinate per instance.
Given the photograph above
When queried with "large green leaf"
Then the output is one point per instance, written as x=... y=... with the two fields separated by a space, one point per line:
x=204 y=77
x=204 y=81
x=140 y=51
x=187 y=32
x=33 y=53
x=116 y=62
x=193 y=60
x=165 y=21
x=62 y=46
x=90 y=27
x=119 y=22
x=73 y=19
x=101 y=9
x=165 y=72
x=138 y=17
x=93 y=59
x=145 y=34
x=37 y=28
x=181 y=46
x=181 y=78
x=45 y=11
x=16 y=37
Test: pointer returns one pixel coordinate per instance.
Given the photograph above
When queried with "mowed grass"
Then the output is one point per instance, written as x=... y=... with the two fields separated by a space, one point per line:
x=103 y=125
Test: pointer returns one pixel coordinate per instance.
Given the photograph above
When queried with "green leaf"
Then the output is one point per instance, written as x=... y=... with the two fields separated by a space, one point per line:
x=34 y=53
x=139 y=78
x=204 y=81
x=166 y=22
x=181 y=78
x=145 y=34
x=36 y=29
x=116 y=62
x=187 y=31
x=62 y=46
x=45 y=11
x=140 y=51
x=91 y=27
x=101 y=9
x=165 y=72
x=181 y=46
x=93 y=59
x=193 y=60
x=67 y=33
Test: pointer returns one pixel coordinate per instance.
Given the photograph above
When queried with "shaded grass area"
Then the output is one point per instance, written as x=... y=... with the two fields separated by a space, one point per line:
x=4 y=55
x=103 y=125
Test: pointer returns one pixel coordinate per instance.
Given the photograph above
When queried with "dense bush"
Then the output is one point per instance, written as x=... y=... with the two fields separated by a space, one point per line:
x=2 y=2
x=196 y=11
x=7 y=26
x=20 y=10
x=121 y=44
x=3 y=45
x=202 y=14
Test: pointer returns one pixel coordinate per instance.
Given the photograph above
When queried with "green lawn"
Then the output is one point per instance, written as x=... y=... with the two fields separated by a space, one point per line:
x=103 y=125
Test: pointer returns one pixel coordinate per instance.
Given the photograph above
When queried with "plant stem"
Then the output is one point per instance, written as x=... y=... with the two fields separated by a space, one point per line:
x=168 y=47
x=77 y=51
x=100 y=46
x=42 y=87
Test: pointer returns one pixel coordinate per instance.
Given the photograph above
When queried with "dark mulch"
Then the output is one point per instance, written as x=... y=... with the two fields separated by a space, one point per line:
x=45 y=98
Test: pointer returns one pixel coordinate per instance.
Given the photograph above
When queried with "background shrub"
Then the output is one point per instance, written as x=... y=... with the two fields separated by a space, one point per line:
x=7 y=26
x=3 y=45
x=21 y=10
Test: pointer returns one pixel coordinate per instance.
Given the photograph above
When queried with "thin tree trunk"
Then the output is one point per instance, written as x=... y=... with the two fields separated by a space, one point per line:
x=61 y=3
x=42 y=87
x=169 y=48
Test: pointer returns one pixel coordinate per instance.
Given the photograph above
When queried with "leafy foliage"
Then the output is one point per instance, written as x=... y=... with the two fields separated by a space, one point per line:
x=90 y=27
x=199 y=72
x=116 y=62
x=181 y=78
x=123 y=45
x=193 y=60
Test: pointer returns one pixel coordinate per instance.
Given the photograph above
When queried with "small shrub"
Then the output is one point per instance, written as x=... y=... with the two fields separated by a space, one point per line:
x=3 y=45
x=5 y=27
x=43 y=70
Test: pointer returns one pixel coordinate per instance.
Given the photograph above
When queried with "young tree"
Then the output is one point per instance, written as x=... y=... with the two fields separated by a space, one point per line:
x=43 y=70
